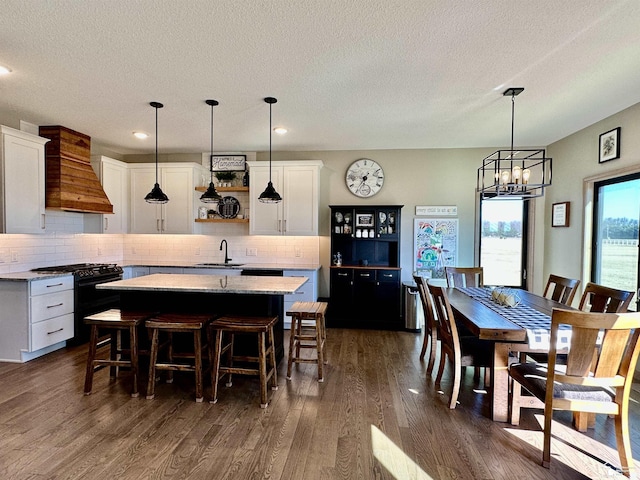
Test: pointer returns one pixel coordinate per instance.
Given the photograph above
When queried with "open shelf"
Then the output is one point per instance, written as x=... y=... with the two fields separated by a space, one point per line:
x=225 y=189
x=222 y=220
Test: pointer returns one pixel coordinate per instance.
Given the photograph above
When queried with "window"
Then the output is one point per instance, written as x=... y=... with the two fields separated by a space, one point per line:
x=503 y=234
x=616 y=214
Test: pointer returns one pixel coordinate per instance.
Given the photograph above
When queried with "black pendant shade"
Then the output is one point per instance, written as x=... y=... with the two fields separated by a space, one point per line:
x=270 y=195
x=211 y=195
x=156 y=195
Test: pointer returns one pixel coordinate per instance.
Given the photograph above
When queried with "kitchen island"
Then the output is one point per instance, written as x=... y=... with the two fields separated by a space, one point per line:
x=211 y=294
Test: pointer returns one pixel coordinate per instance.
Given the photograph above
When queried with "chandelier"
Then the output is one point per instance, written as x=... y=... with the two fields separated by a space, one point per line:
x=514 y=174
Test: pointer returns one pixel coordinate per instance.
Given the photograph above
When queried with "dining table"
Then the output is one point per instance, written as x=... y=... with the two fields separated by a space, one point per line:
x=524 y=327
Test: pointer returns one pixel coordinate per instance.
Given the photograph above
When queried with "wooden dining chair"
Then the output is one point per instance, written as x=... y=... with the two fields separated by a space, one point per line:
x=431 y=326
x=598 y=298
x=464 y=276
x=598 y=375
x=562 y=289
x=595 y=299
x=462 y=351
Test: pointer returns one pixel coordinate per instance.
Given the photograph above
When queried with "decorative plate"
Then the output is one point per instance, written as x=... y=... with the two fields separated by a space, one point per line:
x=229 y=207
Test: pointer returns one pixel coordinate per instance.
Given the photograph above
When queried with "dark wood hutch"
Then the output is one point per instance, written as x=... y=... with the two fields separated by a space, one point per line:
x=365 y=267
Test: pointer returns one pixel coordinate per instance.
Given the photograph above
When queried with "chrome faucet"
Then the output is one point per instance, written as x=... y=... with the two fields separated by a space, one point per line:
x=226 y=256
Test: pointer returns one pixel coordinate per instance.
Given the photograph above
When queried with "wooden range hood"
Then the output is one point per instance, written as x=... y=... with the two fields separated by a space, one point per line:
x=71 y=183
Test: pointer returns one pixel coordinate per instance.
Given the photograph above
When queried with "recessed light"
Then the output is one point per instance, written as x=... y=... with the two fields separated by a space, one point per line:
x=141 y=135
x=4 y=70
x=280 y=130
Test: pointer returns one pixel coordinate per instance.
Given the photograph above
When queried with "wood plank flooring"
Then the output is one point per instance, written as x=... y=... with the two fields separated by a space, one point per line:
x=376 y=416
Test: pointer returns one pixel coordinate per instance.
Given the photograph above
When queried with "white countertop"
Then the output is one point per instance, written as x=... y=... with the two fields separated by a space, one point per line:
x=169 y=282
x=29 y=276
x=235 y=266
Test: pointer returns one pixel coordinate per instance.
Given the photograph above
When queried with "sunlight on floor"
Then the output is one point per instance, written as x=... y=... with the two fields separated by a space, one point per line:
x=393 y=459
x=587 y=456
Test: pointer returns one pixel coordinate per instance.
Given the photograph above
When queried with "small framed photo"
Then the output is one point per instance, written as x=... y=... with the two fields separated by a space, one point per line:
x=610 y=145
x=560 y=215
x=364 y=220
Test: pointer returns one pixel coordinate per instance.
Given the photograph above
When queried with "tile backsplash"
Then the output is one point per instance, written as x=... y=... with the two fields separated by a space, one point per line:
x=63 y=242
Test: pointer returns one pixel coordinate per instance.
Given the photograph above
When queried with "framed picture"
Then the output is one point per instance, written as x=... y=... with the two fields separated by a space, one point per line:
x=228 y=162
x=364 y=220
x=560 y=215
x=610 y=145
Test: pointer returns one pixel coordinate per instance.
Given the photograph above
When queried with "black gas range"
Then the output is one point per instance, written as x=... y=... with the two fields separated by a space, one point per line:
x=87 y=298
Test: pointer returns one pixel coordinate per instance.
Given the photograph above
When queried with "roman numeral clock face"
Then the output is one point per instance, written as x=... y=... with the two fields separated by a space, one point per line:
x=365 y=178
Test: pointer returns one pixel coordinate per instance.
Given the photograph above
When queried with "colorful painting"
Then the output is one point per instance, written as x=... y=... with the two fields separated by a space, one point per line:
x=435 y=246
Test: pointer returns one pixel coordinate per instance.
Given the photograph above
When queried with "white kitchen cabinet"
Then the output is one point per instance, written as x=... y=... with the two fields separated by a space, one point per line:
x=298 y=182
x=134 y=272
x=306 y=293
x=22 y=171
x=227 y=272
x=178 y=182
x=114 y=176
x=36 y=318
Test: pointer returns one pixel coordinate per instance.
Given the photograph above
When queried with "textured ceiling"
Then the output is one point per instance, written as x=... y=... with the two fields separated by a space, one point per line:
x=359 y=74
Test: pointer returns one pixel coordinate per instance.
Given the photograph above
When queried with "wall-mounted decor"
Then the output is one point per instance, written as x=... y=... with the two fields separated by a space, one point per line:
x=437 y=210
x=560 y=214
x=228 y=162
x=609 y=145
x=435 y=246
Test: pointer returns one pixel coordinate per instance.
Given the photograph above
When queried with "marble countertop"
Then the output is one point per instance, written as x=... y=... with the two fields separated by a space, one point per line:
x=234 y=266
x=28 y=276
x=184 y=282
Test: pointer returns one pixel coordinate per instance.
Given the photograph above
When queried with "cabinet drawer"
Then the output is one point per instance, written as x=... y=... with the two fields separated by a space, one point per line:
x=51 y=331
x=51 y=285
x=304 y=294
x=388 y=276
x=51 y=305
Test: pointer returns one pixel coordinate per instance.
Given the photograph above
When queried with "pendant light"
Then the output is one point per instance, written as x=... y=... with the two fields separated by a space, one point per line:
x=514 y=174
x=270 y=195
x=211 y=195
x=156 y=195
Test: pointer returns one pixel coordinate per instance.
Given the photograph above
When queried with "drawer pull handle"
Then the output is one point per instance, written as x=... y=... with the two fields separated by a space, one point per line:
x=365 y=274
x=388 y=275
x=55 y=285
x=342 y=274
x=55 y=331
x=56 y=305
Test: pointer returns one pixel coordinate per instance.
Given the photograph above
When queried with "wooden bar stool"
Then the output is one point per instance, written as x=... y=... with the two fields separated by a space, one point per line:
x=307 y=335
x=115 y=321
x=177 y=323
x=266 y=359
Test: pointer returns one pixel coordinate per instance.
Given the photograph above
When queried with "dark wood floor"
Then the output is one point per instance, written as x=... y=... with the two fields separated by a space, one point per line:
x=376 y=416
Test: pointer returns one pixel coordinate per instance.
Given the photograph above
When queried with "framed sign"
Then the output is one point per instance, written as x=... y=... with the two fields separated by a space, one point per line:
x=364 y=220
x=228 y=162
x=560 y=215
x=609 y=145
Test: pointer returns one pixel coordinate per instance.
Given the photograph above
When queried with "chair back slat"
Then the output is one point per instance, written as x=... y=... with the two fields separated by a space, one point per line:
x=463 y=277
x=444 y=317
x=425 y=300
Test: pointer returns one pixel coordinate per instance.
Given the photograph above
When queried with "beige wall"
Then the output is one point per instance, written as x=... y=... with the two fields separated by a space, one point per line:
x=412 y=177
x=575 y=161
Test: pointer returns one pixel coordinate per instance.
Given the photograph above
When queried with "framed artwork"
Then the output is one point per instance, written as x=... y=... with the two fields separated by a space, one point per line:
x=609 y=145
x=560 y=214
x=364 y=220
x=435 y=246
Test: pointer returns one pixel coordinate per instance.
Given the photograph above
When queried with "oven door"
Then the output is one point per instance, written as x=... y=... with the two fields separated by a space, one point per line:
x=90 y=300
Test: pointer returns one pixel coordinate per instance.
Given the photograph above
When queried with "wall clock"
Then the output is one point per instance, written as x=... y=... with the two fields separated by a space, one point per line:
x=365 y=177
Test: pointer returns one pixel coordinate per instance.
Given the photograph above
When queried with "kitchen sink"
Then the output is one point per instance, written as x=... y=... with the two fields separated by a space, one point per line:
x=222 y=264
